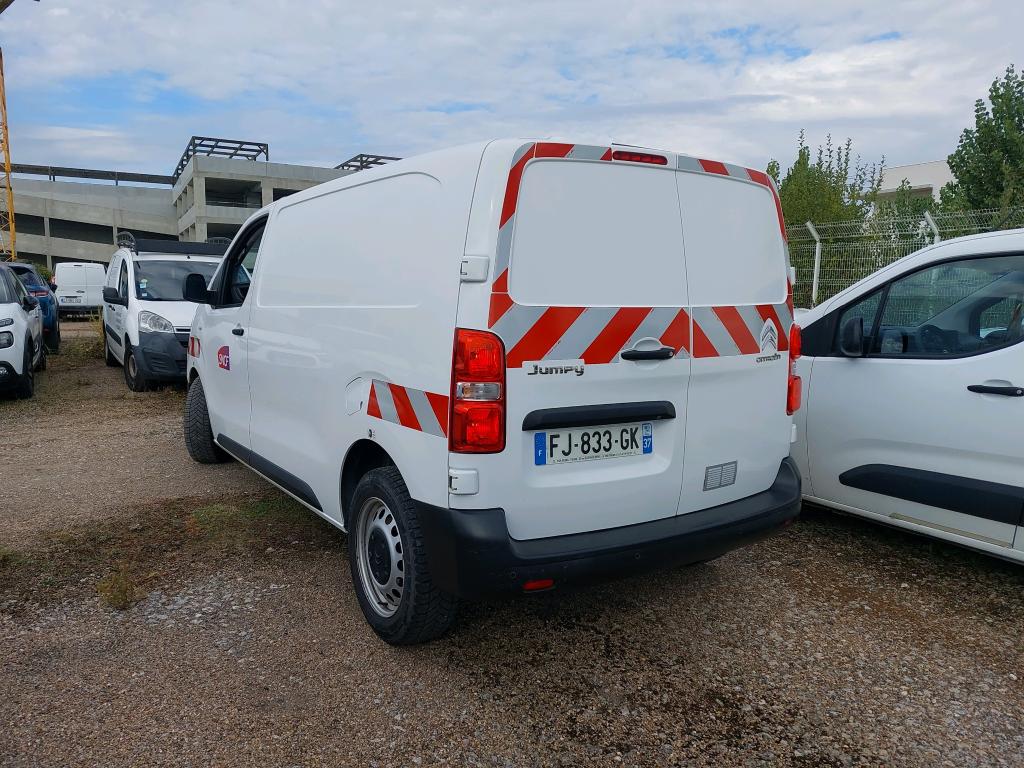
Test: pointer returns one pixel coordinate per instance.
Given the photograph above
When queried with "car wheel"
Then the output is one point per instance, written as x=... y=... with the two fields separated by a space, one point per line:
x=42 y=357
x=26 y=386
x=198 y=432
x=133 y=375
x=387 y=557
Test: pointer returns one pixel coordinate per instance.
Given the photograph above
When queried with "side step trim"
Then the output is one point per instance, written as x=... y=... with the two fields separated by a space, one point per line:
x=977 y=498
x=296 y=486
x=594 y=415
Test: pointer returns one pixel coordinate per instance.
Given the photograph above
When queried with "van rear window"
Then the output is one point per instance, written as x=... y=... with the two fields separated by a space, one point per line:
x=597 y=234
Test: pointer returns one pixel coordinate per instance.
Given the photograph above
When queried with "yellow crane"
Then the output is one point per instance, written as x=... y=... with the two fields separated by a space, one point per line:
x=8 y=234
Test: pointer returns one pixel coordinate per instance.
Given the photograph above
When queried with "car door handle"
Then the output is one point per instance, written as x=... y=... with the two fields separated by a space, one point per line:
x=663 y=353
x=986 y=389
x=238 y=331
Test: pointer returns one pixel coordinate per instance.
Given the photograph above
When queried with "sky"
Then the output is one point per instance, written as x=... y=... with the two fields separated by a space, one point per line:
x=122 y=84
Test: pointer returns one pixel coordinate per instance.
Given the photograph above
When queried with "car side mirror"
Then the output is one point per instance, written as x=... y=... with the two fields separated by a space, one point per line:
x=851 y=337
x=196 y=290
x=30 y=303
x=111 y=296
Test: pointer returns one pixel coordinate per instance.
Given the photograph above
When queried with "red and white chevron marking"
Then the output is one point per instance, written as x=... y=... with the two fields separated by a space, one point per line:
x=412 y=408
x=597 y=334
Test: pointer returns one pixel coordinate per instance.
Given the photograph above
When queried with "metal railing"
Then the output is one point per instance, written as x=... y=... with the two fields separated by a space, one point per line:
x=831 y=256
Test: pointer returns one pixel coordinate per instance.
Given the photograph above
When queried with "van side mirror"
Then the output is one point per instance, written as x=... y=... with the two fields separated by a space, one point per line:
x=111 y=296
x=851 y=337
x=196 y=290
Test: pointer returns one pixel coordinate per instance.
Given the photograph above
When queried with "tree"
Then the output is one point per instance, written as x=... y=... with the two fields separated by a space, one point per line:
x=837 y=186
x=988 y=162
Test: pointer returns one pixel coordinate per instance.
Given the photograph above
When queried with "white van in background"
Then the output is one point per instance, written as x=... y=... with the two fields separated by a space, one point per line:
x=145 y=318
x=79 y=286
x=508 y=367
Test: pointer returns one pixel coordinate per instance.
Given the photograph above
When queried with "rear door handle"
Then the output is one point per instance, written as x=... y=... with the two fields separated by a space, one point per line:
x=238 y=331
x=986 y=389
x=664 y=353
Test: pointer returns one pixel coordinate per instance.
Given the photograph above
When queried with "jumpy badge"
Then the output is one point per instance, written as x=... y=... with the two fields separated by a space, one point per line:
x=224 y=358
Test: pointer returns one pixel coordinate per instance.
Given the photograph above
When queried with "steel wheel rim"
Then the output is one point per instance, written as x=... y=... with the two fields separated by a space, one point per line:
x=133 y=369
x=380 y=558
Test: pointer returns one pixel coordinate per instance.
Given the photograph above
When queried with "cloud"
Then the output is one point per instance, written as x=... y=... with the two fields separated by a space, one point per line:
x=321 y=80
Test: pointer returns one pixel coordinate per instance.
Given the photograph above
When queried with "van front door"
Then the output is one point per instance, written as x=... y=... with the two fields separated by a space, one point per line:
x=224 y=352
x=923 y=429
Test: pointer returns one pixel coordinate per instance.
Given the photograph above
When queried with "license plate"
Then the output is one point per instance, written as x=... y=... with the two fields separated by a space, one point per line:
x=568 y=446
x=71 y=300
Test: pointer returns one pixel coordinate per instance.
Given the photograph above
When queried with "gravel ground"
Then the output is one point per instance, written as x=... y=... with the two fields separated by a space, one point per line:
x=835 y=643
x=86 y=447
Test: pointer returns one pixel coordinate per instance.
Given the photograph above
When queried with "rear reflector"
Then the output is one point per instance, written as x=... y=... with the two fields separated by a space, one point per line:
x=537 y=585
x=794 y=396
x=639 y=157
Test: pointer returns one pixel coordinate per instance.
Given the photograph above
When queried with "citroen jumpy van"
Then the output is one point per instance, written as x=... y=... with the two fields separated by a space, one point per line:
x=508 y=367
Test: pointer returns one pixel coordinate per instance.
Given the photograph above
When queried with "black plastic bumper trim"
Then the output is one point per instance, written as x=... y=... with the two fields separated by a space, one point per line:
x=296 y=486
x=594 y=415
x=977 y=498
x=471 y=554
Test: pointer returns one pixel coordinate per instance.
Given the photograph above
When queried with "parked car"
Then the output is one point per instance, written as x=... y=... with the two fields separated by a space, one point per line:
x=145 y=318
x=915 y=394
x=490 y=412
x=79 y=286
x=41 y=290
x=22 y=351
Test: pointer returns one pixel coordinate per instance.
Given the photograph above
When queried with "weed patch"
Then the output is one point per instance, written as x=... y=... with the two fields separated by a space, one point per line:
x=120 y=559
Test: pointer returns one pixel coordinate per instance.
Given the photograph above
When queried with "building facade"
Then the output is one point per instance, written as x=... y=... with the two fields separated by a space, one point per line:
x=924 y=179
x=216 y=186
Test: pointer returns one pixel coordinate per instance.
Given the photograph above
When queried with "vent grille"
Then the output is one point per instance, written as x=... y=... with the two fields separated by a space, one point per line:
x=719 y=476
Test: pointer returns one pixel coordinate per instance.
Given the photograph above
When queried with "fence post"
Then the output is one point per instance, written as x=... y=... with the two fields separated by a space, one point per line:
x=933 y=225
x=817 y=263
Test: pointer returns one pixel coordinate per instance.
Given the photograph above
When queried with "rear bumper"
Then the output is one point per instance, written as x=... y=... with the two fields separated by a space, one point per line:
x=471 y=554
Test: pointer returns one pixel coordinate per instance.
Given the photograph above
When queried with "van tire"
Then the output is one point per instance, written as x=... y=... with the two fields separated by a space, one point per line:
x=26 y=386
x=133 y=375
x=424 y=612
x=198 y=432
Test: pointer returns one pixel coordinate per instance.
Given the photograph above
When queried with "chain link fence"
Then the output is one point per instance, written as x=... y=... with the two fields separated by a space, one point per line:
x=831 y=256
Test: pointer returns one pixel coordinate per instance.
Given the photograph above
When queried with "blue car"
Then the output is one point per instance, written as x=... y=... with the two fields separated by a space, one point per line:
x=43 y=291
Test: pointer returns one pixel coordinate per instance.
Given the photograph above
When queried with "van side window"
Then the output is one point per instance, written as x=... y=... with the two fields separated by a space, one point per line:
x=113 y=272
x=954 y=309
x=122 y=280
x=240 y=267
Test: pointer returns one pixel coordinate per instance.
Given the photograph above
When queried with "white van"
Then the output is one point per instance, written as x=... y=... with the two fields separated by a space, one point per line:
x=79 y=286
x=146 y=320
x=508 y=367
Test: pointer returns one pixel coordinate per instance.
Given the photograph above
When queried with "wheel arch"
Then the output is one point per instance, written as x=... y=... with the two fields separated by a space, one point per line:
x=363 y=456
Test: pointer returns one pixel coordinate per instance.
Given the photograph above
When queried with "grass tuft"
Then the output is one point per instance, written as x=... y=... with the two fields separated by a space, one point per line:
x=118 y=589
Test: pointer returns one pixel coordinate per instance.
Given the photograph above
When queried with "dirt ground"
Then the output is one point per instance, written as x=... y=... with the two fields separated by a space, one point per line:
x=240 y=642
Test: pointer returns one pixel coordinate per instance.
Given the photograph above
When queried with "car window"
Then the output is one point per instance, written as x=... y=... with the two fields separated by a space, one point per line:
x=240 y=268
x=165 y=280
x=20 y=293
x=114 y=273
x=866 y=309
x=7 y=295
x=29 y=278
x=954 y=309
x=122 y=280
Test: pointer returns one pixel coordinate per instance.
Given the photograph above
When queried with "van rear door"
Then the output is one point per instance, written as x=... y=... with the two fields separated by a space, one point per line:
x=738 y=431
x=589 y=298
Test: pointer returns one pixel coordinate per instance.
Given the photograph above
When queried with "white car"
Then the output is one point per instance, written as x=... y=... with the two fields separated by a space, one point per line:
x=914 y=398
x=145 y=318
x=22 y=351
x=500 y=370
x=79 y=286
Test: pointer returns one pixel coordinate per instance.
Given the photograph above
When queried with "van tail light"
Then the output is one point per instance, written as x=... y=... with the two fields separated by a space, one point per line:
x=639 y=157
x=794 y=391
x=477 y=415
